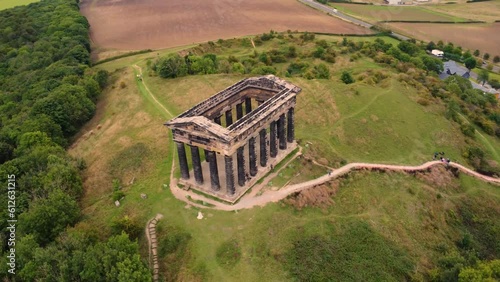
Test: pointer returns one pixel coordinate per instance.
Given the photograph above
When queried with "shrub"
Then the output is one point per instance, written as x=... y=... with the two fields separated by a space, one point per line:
x=322 y=71
x=263 y=70
x=346 y=77
x=297 y=68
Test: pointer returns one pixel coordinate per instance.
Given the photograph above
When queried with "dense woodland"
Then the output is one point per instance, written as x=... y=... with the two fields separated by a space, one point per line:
x=47 y=92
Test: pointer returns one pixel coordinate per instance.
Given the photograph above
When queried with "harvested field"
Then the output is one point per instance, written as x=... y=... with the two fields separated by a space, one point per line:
x=377 y=13
x=470 y=36
x=488 y=11
x=134 y=24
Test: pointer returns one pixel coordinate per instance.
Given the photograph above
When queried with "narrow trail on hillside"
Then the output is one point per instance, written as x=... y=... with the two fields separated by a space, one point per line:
x=151 y=93
x=252 y=199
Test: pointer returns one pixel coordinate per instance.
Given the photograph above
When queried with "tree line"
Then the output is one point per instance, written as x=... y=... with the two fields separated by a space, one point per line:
x=47 y=92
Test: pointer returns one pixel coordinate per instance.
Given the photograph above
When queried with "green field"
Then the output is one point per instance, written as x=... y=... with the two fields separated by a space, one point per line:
x=6 y=4
x=376 y=13
x=396 y=225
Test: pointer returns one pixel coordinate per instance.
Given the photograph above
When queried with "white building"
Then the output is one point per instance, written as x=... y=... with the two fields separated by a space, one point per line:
x=437 y=53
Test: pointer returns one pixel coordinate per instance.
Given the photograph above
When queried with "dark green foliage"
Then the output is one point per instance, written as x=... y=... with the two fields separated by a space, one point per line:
x=486 y=56
x=476 y=52
x=171 y=67
x=263 y=70
x=483 y=76
x=127 y=225
x=115 y=260
x=297 y=68
x=494 y=83
x=228 y=254
x=496 y=59
x=408 y=47
x=351 y=253
x=46 y=218
x=346 y=77
x=77 y=257
x=470 y=63
x=322 y=71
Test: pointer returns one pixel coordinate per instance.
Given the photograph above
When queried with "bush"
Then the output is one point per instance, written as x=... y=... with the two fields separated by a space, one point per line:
x=263 y=70
x=346 y=77
x=297 y=68
x=171 y=67
x=322 y=71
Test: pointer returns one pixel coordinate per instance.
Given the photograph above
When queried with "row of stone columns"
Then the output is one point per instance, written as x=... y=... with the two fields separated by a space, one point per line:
x=239 y=112
x=281 y=132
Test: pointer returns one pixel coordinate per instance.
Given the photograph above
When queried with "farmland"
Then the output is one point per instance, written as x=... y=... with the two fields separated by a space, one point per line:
x=376 y=13
x=6 y=4
x=134 y=24
x=470 y=36
x=488 y=11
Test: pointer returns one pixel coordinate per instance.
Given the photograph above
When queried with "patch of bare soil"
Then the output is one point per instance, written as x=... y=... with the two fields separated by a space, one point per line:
x=154 y=24
x=440 y=177
x=319 y=196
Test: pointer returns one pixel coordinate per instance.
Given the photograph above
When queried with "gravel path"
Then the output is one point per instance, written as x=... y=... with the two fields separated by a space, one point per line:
x=247 y=201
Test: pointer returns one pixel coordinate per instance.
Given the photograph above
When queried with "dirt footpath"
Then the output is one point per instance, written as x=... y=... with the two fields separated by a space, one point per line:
x=143 y=24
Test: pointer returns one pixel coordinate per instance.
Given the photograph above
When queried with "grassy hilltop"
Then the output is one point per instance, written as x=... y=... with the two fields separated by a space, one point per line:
x=384 y=226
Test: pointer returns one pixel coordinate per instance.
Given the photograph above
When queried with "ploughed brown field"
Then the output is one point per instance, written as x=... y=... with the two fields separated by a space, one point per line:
x=143 y=24
x=470 y=36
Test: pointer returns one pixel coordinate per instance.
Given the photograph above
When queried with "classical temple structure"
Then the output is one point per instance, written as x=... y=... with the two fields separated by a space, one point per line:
x=253 y=115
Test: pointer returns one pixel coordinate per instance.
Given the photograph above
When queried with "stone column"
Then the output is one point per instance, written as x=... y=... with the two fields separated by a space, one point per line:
x=290 y=131
x=198 y=173
x=214 y=171
x=273 y=151
x=252 y=157
x=263 y=147
x=281 y=132
x=248 y=105
x=229 y=118
x=206 y=153
x=183 y=164
x=229 y=175
x=217 y=120
x=239 y=111
x=240 y=163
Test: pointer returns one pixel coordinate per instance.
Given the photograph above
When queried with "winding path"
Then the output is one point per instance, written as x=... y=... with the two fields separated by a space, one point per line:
x=247 y=202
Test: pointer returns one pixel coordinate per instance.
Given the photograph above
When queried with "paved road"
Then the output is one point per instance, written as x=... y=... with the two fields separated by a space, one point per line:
x=345 y=17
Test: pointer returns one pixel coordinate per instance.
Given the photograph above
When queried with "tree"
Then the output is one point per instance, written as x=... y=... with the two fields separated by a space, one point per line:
x=496 y=59
x=483 y=76
x=171 y=67
x=431 y=46
x=346 y=77
x=470 y=63
x=115 y=260
x=476 y=53
x=46 y=218
x=486 y=56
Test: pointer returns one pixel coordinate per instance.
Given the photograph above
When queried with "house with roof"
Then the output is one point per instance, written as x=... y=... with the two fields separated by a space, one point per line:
x=452 y=68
